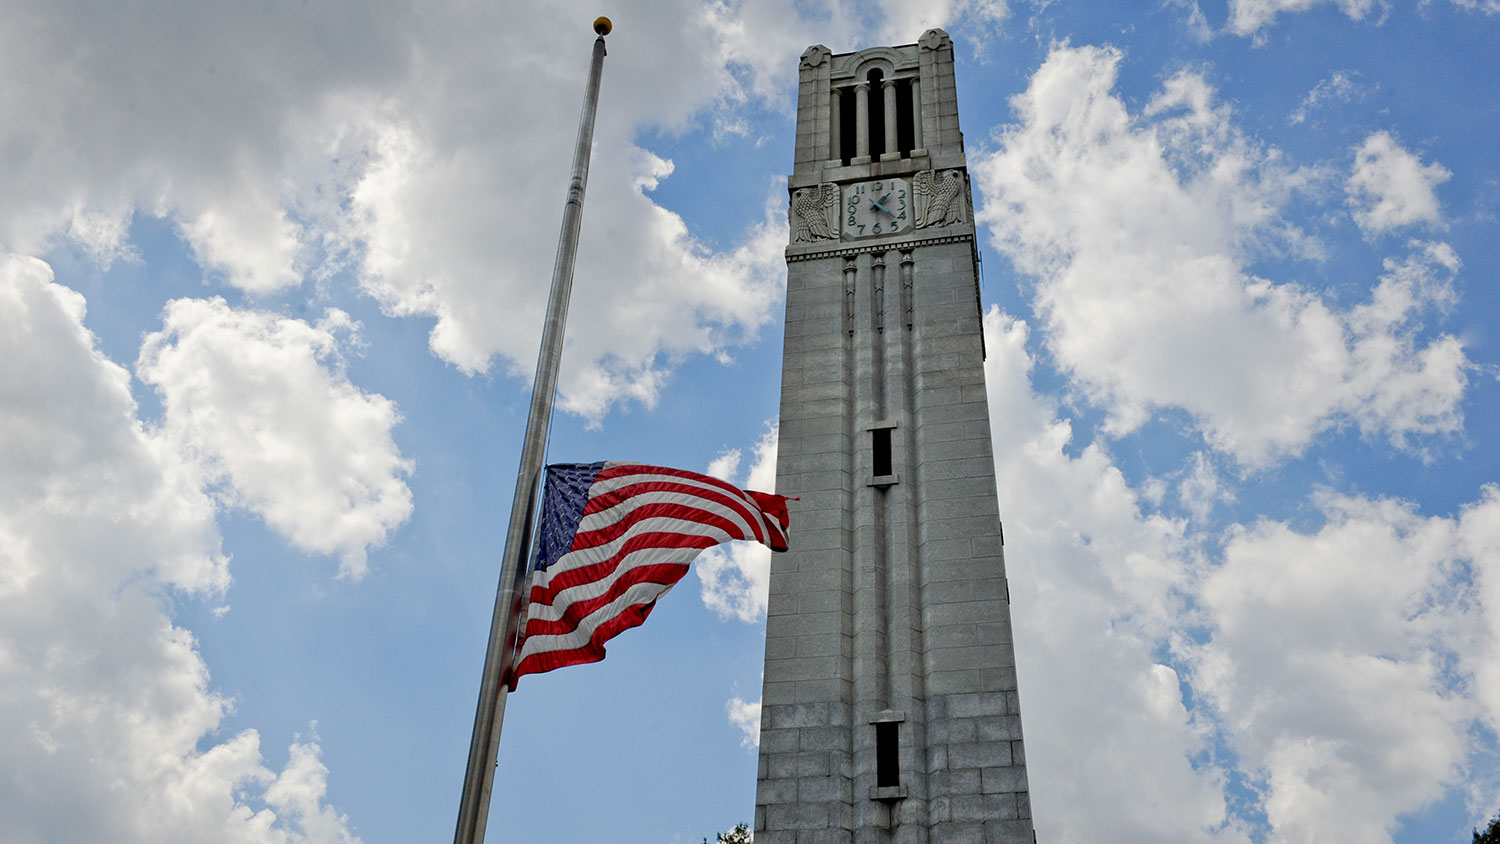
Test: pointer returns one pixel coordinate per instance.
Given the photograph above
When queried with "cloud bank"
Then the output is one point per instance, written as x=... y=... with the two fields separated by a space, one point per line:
x=108 y=719
x=1140 y=230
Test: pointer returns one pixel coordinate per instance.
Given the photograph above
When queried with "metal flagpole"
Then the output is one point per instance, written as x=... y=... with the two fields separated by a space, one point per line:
x=484 y=746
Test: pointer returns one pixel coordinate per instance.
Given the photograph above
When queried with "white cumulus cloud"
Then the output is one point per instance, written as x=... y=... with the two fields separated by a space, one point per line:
x=108 y=719
x=264 y=405
x=1139 y=229
x=1347 y=665
x=1390 y=187
x=1338 y=661
x=1097 y=583
x=1248 y=17
x=745 y=716
x=425 y=149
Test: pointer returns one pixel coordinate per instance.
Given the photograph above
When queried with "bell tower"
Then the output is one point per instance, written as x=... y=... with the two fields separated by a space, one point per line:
x=889 y=712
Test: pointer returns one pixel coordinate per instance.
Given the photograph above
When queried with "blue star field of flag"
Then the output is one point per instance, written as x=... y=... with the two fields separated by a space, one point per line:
x=563 y=500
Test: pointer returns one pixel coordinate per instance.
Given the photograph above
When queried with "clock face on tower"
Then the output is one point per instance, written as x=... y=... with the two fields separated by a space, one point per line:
x=877 y=207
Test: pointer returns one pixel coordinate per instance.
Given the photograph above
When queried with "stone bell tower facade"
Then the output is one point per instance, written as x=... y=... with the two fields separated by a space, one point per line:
x=889 y=712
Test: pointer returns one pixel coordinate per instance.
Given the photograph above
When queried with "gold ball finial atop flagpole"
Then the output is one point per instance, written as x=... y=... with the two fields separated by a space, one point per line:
x=602 y=26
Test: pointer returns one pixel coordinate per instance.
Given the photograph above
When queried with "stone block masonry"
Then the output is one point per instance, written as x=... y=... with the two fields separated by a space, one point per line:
x=891 y=710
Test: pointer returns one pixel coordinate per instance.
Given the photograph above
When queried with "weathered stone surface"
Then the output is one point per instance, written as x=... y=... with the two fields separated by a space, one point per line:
x=979 y=754
x=778 y=741
x=797 y=816
x=822 y=789
x=949 y=783
x=1008 y=832
x=984 y=807
x=997 y=729
x=824 y=738
x=1003 y=780
x=894 y=598
x=776 y=791
x=958 y=833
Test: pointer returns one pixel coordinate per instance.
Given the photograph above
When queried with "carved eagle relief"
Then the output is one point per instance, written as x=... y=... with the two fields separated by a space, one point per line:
x=939 y=197
x=809 y=218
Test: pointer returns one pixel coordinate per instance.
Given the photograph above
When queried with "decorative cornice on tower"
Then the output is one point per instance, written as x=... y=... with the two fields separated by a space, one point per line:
x=892 y=60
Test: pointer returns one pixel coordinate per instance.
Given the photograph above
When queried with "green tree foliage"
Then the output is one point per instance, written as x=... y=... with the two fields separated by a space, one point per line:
x=1491 y=834
x=741 y=835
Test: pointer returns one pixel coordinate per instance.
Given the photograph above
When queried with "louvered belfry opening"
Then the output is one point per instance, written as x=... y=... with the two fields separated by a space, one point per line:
x=905 y=128
x=848 y=125
x=850 y=143
x=876 y=127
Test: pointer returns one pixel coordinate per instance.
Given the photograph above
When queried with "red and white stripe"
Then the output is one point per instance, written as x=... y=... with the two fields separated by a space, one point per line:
x=640 y=528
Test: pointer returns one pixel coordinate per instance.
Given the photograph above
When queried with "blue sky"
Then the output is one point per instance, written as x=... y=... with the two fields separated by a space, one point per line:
x=270 y=287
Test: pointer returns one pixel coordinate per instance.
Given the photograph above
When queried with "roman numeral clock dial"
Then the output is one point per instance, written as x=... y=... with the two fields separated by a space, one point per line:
x=877 y=207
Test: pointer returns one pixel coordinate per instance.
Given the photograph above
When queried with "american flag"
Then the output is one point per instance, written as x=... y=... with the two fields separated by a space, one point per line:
x=613 y=538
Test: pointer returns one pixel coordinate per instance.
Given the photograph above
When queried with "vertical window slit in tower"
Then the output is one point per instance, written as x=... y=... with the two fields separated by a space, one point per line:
x=887 y=753
x=847 y=125
x=877 y=115
x=881 y=442
x=904 y=118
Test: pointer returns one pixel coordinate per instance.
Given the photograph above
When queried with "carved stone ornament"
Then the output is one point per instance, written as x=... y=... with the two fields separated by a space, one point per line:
x=932 y=39
x=939 y=197
x=815 y=55
x=810 y=217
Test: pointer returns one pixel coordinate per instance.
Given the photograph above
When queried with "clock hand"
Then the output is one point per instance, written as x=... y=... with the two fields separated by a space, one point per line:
x=875 y=203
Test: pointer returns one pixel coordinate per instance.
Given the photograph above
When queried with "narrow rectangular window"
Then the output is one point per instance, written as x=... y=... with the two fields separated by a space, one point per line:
x=887 y=755
x=881 y=441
